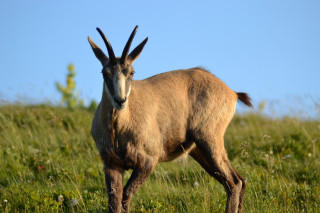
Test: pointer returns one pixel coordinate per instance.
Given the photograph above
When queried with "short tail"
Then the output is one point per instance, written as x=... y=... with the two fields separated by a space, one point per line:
x=244 y=98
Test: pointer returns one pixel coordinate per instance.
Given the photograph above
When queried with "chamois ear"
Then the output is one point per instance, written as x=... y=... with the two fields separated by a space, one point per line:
x=136 y=52
x=98 y=53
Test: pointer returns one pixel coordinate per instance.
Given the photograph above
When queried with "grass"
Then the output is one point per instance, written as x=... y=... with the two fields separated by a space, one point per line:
x=49 y=163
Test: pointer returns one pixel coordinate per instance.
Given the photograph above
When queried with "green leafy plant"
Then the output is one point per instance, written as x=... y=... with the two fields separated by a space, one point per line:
x=70 y=95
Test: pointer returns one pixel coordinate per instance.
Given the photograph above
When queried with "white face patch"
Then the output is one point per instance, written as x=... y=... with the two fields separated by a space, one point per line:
x=119 y=84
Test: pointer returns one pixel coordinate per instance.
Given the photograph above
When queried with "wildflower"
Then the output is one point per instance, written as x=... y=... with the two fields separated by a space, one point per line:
x=6 y=206
x=20 y=176
x=196 y=184
x=60 y=198
x=74 y=202
x=267 y=136
x=41 y=167
x=287 y=156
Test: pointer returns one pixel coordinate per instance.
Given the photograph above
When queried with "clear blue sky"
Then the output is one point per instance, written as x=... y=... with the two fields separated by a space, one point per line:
x=269 y=49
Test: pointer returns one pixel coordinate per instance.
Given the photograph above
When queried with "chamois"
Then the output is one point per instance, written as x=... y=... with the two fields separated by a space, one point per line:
x=140 y=123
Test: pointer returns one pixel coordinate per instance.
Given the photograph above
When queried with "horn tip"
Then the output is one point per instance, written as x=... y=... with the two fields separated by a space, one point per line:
x=135 y=29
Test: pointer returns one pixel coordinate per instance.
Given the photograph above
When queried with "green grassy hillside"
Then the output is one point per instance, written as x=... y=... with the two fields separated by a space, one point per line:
x=49 y=163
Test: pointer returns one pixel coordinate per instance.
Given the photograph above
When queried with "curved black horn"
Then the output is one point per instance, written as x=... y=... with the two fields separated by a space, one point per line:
x=110 y=50
x=136 y=52
x=125 y=52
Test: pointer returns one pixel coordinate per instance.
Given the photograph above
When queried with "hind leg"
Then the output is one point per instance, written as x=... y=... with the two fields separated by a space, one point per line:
x=244 y=183
x=213 y=158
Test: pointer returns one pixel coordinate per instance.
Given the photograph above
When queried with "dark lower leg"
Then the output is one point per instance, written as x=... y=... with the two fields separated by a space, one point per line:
x=221 y=169
x=241 y=192
x=137 y=178
x=114 y=185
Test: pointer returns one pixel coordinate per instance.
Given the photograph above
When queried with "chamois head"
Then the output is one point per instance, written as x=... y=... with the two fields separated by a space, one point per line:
x=117 y=71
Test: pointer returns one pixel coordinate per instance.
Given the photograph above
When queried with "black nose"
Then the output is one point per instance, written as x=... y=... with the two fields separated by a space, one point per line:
x=119 y=101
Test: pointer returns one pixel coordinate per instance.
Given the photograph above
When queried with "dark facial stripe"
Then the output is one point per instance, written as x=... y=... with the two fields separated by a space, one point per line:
x=109 y=84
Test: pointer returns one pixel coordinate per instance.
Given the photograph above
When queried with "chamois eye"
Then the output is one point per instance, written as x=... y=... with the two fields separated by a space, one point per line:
x=106 y=73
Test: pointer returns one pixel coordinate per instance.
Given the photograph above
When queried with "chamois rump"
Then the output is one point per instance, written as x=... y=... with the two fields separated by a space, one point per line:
x=140 y=123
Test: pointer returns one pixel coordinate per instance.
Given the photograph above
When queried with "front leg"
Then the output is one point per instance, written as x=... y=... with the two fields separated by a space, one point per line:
x=114 y=184
x=138 y=177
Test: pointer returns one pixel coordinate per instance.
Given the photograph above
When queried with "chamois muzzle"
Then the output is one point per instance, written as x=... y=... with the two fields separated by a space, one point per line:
x=120 y=102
